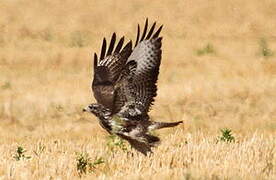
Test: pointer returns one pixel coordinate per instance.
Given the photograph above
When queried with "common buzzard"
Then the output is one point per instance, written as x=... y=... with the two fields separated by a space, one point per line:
x=124 y=86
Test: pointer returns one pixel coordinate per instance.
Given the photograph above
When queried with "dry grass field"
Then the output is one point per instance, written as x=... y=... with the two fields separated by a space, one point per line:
x=218 y=71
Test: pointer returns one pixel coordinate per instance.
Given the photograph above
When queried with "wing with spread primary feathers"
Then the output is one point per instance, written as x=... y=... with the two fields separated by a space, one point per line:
x=136 y=87
x=108 y=68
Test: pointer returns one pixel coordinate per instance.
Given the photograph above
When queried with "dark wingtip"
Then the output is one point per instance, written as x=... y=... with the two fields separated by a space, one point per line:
x=103 y=49
x=127 y=49
x=151 y=30
x=156 y=34
x=95 y=60
x=147 y=35
x=128 y=45
x=119 y=45
x=160 y=39
x=138 y=35
x=145 y=30
x=111 y=45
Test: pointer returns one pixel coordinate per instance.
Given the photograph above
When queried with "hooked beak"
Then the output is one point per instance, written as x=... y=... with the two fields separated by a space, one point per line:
x=85 y=109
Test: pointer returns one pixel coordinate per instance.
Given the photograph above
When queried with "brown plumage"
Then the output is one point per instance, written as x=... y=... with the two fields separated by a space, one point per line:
x=124 y=86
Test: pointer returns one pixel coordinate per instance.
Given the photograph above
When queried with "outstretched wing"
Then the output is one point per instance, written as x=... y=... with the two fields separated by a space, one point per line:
x=136 y=87
x=107 y=69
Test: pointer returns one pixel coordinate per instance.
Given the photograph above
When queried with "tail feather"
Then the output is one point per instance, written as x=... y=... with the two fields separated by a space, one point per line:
x=141 y=146
x=142 y=143
x=160 y=125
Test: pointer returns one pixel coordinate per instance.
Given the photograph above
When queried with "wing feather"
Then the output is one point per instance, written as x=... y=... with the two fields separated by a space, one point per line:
x=145 y=30
x=103 y=49
x=157 y=32
x=136 y=88
x=95 y=61
x=111 y=45
x=138 y=35
x=151 y=30
x=107 y=70
x=119 y=46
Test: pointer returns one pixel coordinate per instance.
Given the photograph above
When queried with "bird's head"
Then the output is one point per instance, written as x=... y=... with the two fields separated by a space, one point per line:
x=97 y=109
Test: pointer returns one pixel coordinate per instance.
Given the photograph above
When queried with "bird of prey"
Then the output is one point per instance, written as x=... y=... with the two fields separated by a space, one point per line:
x=124 y=86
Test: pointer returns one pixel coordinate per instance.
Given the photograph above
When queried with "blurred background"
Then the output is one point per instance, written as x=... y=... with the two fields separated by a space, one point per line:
x=218 y=65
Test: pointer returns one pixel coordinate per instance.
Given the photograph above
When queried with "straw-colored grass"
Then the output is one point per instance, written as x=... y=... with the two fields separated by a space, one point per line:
x=218 y=71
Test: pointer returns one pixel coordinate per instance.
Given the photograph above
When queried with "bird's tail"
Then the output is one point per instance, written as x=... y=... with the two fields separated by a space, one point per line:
x=151 y=139
x=160 y=125
x=143 y=143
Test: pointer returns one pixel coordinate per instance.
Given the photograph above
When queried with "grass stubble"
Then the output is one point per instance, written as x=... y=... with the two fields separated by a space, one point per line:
x=218 y=75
